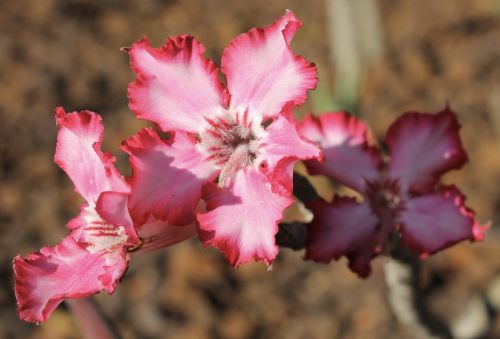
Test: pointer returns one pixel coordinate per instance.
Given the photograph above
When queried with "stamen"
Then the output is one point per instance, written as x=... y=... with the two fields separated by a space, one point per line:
x=101 y=236
x=231 y=143
x=385 y=200
x=239 y=159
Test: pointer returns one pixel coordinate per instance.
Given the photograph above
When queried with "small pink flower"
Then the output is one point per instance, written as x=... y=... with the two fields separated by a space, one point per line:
x=401 y=196
x=94 y=256
x=244 y=138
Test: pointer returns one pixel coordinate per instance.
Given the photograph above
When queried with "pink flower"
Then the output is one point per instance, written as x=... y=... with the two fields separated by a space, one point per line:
x=401 y=196
x=95 y=255
x=244 y=138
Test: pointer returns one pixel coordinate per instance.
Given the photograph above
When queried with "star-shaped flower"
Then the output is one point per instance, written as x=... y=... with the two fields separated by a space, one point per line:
x=233 y=148
x=95 y=255
x=402 y=195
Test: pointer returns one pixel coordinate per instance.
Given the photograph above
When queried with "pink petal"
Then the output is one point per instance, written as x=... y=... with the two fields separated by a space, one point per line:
x=343 y=227
x=350 y=157
x=176 y=87
x=167 y=176
x=157 y=234
x=263 y=73
x=438 y=220
x=281 y=147
x=242 y=218
x=44 y=279
x=112 y=207
x=422 y=147
x=107 y=225
x=79 y=222
x=78 y=153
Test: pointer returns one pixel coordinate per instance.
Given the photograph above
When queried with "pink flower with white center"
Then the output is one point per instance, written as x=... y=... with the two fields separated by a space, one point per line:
x=244 y=138
x=402 y=195
x=94 y=256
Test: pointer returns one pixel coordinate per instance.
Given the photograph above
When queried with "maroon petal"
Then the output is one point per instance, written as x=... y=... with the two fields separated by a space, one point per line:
x=423 y=147
x=342 y=227
x=438 y=220
x=350 y=157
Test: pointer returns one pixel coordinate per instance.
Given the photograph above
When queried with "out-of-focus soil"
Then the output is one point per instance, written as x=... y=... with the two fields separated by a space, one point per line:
x=68 y=53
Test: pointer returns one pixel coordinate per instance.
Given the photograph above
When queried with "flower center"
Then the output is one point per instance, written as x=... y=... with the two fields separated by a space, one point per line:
x=385 y=201
x=232 y=142
x=101 y=236
x=98 y=235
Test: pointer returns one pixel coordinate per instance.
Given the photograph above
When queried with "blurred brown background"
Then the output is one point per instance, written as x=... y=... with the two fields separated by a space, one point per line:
x=380 y=58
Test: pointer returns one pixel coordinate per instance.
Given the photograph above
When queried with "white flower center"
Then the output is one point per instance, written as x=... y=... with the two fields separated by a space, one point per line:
x=232 y=142
x=99 y=235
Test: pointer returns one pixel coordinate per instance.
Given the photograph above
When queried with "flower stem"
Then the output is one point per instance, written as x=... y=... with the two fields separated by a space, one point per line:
x=303 y=189
x=405 y=295
x=90 y=320
x=293 y=235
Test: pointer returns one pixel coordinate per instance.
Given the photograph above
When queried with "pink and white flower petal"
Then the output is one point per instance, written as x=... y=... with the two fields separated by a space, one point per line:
x=176 y=86
x=263 y=73
x=112 y=207
x=157 y=234
x=67 y=270
x=422 y=147
x=242 y=219
x=280 y=147
x=87 y=215
x=435 y=221
x=343 y=227
x=105 y=225
x=282 y=140
x=168 y=176
x=349 y=154
x=78 y=153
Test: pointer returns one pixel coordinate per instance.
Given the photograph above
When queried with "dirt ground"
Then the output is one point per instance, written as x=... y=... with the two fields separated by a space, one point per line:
x=68 y=53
